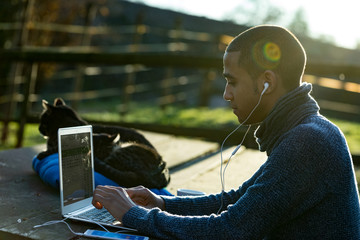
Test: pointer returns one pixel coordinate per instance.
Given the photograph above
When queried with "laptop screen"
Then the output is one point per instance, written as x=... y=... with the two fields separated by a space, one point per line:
x=76 y=167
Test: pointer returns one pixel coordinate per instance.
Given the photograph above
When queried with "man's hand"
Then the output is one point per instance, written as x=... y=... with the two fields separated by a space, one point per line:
x=144 y=197
x=114 y=199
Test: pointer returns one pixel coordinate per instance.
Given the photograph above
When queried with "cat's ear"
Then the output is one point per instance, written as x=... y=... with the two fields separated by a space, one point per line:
x=45 y=105
x=115 y=138
x=58 y=102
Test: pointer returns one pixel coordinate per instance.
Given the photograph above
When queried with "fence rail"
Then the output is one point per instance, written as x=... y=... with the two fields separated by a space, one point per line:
x=332 y=100
x=137 y=52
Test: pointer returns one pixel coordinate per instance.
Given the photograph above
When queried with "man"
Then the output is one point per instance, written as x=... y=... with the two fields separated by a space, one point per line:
x=305 y=190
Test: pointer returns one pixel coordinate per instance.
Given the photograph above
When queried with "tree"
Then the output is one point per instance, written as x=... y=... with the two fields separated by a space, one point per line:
x=299 y=25
x=255 y=12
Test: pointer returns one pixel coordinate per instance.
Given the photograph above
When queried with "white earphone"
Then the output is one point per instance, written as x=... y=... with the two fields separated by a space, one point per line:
x=266 y=86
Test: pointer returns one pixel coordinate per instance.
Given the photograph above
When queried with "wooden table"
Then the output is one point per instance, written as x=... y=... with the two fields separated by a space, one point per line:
x=25 y=201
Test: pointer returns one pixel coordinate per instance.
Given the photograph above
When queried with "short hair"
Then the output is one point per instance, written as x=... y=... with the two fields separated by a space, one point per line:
x=269 y=47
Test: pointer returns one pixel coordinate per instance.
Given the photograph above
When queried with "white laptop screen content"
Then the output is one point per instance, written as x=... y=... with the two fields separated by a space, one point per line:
x=76 y=167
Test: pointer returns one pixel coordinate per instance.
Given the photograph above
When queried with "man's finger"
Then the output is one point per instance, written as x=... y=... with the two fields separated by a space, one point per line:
x=98 y=205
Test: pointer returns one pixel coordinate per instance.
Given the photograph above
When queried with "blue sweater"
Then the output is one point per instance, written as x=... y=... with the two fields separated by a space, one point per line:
x=305 y=190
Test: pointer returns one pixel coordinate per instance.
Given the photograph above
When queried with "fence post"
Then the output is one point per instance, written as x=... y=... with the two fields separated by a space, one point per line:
x=85 y=41
x=17 y=68
x=166 y=88
x=129 y=83
x=206 y=88
x=169 y=71
x=28 y=90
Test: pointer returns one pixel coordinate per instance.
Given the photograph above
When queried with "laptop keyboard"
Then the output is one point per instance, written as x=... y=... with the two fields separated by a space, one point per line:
x=98 y=215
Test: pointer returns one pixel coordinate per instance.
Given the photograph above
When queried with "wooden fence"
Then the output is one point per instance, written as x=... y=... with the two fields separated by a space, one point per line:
x=183 y=50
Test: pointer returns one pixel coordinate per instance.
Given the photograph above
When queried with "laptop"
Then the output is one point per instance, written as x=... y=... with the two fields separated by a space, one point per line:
x=77 y=184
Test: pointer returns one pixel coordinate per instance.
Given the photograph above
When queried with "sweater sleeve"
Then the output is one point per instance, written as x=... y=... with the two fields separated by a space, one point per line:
x=287 y=186
x=236 y=222
x=206 y=205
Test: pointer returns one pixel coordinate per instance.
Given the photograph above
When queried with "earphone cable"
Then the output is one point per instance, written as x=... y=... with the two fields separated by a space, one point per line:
x=64 y=221
x=222 y=176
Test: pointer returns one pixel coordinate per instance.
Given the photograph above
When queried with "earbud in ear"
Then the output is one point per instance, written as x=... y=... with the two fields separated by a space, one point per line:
x=266 y=86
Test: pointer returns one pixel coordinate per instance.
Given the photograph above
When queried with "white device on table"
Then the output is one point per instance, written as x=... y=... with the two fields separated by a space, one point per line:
x=77 y=184
x=110 y=235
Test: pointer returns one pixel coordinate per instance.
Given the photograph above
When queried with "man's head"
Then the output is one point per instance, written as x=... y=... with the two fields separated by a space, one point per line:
x=268 y=47
x=263 y=54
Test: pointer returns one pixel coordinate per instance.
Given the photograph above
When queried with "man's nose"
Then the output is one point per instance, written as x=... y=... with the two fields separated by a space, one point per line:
x=227 y=94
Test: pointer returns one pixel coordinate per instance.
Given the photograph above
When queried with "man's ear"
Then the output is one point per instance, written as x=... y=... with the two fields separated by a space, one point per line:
x=271 y=78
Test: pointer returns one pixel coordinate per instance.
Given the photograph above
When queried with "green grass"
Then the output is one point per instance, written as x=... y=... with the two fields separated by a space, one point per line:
x=31 y=136
x=198 y=117
x=351 y=131
x=187 y=117
x=175 y=116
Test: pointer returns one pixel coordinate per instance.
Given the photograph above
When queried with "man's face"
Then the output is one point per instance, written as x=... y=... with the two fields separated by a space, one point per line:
x=240 y=89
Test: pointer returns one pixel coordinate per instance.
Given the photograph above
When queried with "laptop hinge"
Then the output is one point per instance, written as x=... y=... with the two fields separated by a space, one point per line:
x=81 y=210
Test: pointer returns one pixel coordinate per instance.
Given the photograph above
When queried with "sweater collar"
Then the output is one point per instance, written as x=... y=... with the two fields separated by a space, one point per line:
x=288 y=112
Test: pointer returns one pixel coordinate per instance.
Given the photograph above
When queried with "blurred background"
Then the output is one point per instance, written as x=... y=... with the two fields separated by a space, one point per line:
x=156 y=65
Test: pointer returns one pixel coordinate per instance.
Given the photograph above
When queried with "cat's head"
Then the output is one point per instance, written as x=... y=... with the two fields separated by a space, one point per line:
x=104 y=144
x=57 y=116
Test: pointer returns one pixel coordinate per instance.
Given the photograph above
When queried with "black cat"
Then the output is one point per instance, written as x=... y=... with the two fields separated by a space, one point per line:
x=121 y=154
